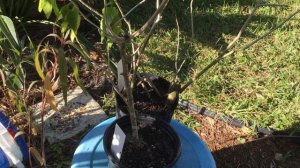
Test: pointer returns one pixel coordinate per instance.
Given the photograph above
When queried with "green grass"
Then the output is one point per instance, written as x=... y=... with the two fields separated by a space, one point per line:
x=260 y=85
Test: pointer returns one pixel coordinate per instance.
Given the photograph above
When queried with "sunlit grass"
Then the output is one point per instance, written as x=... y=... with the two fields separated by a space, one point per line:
x=260 y=85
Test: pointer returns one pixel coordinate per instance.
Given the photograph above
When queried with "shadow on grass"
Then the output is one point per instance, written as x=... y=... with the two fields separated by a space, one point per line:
x=214 y=22
x=279 y=150
x=209 y=25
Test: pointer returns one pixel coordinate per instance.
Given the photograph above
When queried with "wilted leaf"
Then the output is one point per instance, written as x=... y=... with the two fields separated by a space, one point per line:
x=3 y=78
x=37 y=65
x=35 y=128
x=49 y=93
x=36 y=155
x=18 y=134
x=56 y=85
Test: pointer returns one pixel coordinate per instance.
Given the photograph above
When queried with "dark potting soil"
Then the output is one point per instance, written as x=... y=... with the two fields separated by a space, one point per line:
x=156 y=149
x=148 y=101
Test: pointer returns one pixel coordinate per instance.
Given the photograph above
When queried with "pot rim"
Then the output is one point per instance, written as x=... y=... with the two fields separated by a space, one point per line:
x=150 y=120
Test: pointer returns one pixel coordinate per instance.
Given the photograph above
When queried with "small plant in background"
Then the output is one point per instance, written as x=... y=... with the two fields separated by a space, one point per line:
x=18 y=9
x=14 y=54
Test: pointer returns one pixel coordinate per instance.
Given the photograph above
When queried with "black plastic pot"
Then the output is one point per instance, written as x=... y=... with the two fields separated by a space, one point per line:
x=162 y=86
x=125 y=125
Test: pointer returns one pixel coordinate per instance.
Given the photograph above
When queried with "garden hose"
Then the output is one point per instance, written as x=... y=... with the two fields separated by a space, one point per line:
x=229 y=120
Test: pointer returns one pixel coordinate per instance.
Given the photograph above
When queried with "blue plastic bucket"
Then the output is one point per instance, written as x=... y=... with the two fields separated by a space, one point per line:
x=19 y=140
x=195 y=153
x=3 y=160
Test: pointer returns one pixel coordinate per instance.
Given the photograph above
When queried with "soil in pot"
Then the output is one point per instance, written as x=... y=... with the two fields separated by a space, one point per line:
x=159 y=145
x=148 y=101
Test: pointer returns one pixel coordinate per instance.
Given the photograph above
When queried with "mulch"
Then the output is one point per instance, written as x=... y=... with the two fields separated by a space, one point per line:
x=232 y=147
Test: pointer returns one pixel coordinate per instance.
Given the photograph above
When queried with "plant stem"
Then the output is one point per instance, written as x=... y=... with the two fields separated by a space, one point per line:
x=42 y=131
x=128 y=89
x=192 y=18
x=245 y=47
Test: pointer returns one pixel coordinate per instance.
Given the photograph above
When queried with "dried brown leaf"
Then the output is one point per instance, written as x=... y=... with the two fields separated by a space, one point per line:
x=36 y=155
x=49 y=92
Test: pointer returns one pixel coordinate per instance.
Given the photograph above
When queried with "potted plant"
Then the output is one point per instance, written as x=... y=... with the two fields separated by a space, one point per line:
x=150 y=142
x=150 y=92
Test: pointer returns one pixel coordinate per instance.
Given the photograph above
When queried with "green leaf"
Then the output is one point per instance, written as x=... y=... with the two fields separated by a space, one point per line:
x=71 y=19
x=76 y=74
x=8 y=29
x=13 y=81
x=47 y=6
x=64 y=27
x=111 y=17
x=73 y=35
x=63 y=74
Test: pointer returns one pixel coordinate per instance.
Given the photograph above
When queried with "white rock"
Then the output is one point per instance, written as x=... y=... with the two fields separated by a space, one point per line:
x=82 y=111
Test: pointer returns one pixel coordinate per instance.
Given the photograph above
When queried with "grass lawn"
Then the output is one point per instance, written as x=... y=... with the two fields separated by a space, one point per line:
x=260 y=85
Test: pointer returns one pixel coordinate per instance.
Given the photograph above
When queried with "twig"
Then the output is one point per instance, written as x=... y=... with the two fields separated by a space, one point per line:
x=241 y=49
x=140 y=50
x=116 y=89
x=125 y=15
x=89 y=8
x=159 y=15
x=127 y=22
x=192 y=18
x=151 y=20
x=272 y=30
x=151 y=84
x=85 y=17
x=177 y=48
x=42 y=131
x=224 y=53
x=230 y=45
x=29 y=137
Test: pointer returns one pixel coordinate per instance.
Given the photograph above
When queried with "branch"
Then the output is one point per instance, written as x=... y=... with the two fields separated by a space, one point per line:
x=127 y=22
x=128 y=89
x=151 y=20
x=271 y=30
x=125 y=15
x=248 y=45
x=89 y=8
x=140 y=50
